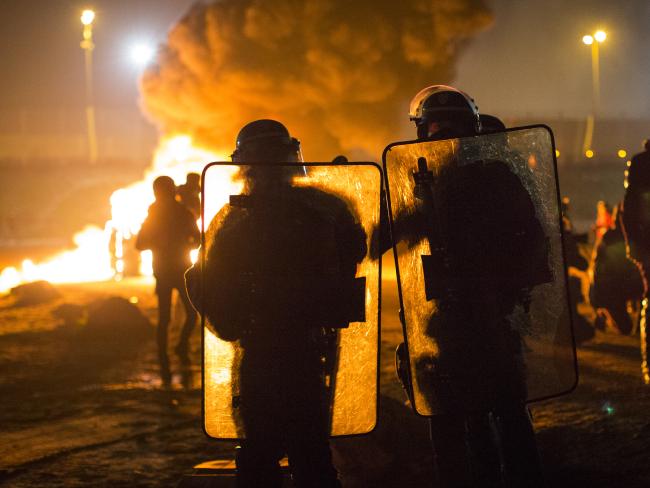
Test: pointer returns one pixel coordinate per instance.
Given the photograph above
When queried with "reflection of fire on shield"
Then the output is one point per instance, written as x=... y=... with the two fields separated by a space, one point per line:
x=476 y=228
x=289 y=297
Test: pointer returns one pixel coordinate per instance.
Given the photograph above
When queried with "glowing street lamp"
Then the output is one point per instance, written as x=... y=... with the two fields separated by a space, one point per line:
x=593 y=40
x=600 y=36
x=87 y=18
x=142 y=54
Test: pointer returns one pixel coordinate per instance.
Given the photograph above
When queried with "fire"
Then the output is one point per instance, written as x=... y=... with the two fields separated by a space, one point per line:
x=90 y=261
x=100 y=254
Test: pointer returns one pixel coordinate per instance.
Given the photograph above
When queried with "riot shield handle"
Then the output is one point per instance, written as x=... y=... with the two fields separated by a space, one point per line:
x=434 y=265
x=423 y=178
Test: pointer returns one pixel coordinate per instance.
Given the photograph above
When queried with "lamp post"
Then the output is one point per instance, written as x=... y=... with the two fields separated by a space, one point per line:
x=87 y=18
x=593 y=41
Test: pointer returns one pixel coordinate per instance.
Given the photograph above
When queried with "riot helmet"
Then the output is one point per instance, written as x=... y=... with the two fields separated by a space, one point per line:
x=490 y=123
x=266 y=141
x=269 y=142
x=441 y=112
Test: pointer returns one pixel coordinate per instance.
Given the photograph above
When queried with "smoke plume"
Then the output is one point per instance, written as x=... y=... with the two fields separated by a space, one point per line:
x=338 y=73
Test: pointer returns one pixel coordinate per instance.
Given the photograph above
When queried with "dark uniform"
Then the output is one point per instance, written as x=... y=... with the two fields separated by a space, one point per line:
x=495 y=252
x=281 y=262
x=170 y=232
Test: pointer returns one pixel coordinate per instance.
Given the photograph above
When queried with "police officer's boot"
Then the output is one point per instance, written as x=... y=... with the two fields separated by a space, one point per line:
x=257 y=469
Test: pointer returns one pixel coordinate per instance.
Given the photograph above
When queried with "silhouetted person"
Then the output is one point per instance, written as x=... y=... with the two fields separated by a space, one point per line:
x=616 y=280
x=636 y=228
x=638 y=175
x=280 y=272
x=570 y=240
x=583 y=330
x=189 y=193
x=170 y=232
x=490 y=254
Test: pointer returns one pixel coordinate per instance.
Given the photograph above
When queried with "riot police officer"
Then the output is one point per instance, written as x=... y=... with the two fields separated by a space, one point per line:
x=280 y=268
x=494 y=255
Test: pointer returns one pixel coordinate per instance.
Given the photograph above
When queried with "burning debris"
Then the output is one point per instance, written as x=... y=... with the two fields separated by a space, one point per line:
x=89 y=261
x=100 y=254
x=339 y=73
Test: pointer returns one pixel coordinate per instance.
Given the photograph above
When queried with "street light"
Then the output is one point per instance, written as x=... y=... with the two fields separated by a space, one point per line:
x=593 y=40
x=87 y=18
x=142 y=54
x=600 y=36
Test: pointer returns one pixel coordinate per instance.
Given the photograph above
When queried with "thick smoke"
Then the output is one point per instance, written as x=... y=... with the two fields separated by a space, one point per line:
x=338 y=73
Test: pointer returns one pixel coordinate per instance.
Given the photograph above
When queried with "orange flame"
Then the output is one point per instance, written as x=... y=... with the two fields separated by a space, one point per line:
x=91 y=260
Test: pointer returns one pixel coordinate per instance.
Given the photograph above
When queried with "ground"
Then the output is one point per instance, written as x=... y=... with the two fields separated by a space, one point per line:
x=76 y=411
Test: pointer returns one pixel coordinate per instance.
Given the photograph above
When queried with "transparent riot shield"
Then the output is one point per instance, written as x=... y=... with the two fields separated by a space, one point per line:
x=477 y=237
x=289 y=296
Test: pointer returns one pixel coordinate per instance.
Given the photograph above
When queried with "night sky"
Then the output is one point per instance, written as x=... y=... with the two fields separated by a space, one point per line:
x=43 y=64
x=533 y=61
x=530 y=62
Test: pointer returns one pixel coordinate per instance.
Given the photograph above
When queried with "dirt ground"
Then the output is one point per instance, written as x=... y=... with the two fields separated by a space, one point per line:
x=76 y=412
